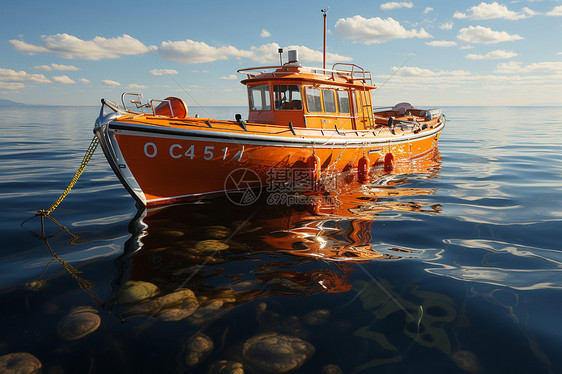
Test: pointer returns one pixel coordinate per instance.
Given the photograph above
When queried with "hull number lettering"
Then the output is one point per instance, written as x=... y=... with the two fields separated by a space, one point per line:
x=177 y=151
x=150 y=150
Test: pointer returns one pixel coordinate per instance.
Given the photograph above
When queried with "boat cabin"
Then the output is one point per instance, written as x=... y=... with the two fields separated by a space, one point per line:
x=310 y=97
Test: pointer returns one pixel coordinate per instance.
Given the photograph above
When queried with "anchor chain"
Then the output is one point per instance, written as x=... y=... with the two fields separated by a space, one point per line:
x=89 y=153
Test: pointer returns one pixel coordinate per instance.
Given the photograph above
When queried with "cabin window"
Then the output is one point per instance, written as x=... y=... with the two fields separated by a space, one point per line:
x=313 y=102
x=287 y=97
x=329 y=100
x=343 y=101
x=358 y=102
x=259 y=97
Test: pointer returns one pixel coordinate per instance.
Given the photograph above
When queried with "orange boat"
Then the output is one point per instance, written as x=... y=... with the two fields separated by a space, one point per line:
x=303 y=123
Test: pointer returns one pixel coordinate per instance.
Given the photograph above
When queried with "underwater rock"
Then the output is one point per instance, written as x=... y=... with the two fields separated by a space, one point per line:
x=210 y=245
x=273 y=321
x=217 y=232
x=171 y=307
x=226 y=296
x=35 y=285
x=206 y=313
x=467 y=361
x=261 y=307
x=175 y=233
x=198 y=348
x=81 y=321
x=50 y=308
x=226 y=367
x=135 y=291
x=246 y=285
x=291 y=325
x=276 y=353
x=317 y=317
x=176 y=314
x=19 y=363
x=331 y=369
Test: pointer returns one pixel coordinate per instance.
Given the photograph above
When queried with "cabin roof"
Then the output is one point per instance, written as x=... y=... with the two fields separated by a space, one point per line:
x=346 y=75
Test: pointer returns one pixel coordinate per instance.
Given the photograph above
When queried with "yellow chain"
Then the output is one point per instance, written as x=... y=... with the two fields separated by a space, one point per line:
x=85 y=160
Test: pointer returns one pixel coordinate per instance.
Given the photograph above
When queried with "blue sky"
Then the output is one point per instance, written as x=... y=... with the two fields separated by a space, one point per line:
x=436 y=53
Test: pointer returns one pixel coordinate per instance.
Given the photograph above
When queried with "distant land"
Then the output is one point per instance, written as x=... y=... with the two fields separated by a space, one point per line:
x=6 y=102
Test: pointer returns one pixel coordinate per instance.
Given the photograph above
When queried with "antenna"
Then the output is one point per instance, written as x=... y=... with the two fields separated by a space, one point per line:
x=325 y=12
x=393 y=74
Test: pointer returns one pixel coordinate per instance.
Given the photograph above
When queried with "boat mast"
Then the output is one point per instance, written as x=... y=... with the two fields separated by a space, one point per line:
x=325 y=12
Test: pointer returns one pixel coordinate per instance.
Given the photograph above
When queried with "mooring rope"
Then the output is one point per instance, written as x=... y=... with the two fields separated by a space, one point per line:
x=84 y=284
x=89 y=153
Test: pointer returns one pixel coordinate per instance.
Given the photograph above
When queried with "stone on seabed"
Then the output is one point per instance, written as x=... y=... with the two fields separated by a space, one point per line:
x=78 y=323
x=276 y=353
x=198 y=347
x=19 y=363
x=135 y=291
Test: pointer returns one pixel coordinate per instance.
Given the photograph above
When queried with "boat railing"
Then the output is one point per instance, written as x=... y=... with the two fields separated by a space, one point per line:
x=255 y=71
x=399 y=122
x=161 y=101
x=136 y=101
x=428 y=114
x=348 y=71
x=352 y=72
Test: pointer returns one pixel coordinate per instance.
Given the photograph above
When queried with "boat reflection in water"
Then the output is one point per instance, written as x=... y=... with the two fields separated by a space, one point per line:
x=228 y=254
x=211 y=287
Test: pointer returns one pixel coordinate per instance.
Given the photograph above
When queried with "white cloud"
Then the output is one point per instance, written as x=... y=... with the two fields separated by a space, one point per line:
x=493 y=11
x=411 y=71
x=312 y=55
x=267 y=53
x=26 y=48
x=490 y=89
x=467 y=47
x=513 y=67
x=159 y=72
x=71 y=47
x=64 y=67
x=441 y=43
x=11 y=85
x=9 y=75
x=84 y=80
x=43 y=67
x=493 y=55
x=427 y=10
x=395 y=5
x=192 y=52
x=375 y=30
x=134 y=86
x=183 y=51
x=63 y=79
x=265 y=34
x=485 y=35
x=231 y=76
x=110 y=83
x=56 y=67
x=556 y=11
x=446 y=26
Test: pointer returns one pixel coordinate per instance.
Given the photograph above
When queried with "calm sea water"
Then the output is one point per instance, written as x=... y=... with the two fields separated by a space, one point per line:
x=452 y=265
